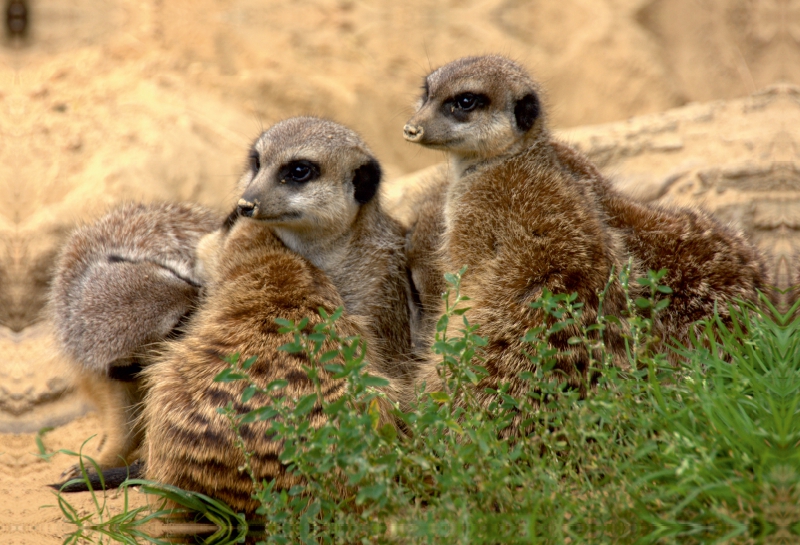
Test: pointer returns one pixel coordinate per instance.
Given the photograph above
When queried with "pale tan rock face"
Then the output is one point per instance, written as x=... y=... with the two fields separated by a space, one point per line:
x=740 y=159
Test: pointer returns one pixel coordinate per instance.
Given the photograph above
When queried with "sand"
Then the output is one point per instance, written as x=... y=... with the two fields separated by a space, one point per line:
x=114 y=100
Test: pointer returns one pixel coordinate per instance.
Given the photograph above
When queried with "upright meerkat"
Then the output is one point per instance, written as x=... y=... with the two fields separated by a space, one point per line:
x=251 y=279
x=485 y=111
x=515 y=217
x=122 y=284
x=315 y=184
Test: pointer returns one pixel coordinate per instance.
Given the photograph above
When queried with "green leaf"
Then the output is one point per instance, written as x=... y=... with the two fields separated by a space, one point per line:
x=292 y=348
x=249 y=392
x=440 y=397
x=453 y=425
x=232 y=359
x=375 y=382
x=262 y=413
x=317 y=337
x=335 y=407
x=277 y=384
x=305 y=404
x=335 y=369
x=388 y=432
x=228 y=375
x=661 y=305
x=43 y=454
x=372 y=492
x=328 y=356
x=248 y=363
x=420 y=461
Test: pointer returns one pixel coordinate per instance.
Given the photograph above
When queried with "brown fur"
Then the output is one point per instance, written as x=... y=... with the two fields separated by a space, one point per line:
x=122 y=284
x=253 y=279
x=707 y=262
x=520 y=224
x=336 y=221
x=423 y=243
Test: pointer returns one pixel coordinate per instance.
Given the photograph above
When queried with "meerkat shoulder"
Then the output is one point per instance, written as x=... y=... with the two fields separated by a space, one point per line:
x=252 y=280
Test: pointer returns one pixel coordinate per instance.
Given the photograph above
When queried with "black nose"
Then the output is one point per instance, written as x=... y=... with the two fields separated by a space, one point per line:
x=246 y=208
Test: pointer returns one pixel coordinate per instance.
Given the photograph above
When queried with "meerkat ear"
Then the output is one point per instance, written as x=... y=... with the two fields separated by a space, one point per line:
x=365 y=180
x=526 y=110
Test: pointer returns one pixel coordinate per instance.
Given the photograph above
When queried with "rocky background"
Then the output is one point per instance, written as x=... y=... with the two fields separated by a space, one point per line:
x=687 y=101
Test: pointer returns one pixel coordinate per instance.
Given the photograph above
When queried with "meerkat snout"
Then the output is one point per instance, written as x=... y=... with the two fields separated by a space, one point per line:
x=413 y=133
x=247 y=208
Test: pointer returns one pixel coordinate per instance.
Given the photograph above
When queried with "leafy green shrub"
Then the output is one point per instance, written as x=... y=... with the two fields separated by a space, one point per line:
x=702 y=451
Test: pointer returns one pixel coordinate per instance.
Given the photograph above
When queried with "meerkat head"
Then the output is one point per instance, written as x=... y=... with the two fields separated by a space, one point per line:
x=308 y=176
x=477 y=108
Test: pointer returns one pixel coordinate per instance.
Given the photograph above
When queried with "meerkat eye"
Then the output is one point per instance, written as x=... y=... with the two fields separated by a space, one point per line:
x=460 y=105
x=254 y=160
x=466 y=101
x=300 y=172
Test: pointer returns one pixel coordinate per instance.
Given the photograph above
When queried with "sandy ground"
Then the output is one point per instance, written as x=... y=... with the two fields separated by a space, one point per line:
x=111 y=100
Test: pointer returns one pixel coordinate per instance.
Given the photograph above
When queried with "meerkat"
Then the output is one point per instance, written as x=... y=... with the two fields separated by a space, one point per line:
x=251 y=279
x=315 y=184
x=121 y=284
x=709 y=265
x=516 y=219
x=483 y=111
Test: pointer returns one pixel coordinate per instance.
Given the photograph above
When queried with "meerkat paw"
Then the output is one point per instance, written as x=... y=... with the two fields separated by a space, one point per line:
x=74 y=472
x=206 y=256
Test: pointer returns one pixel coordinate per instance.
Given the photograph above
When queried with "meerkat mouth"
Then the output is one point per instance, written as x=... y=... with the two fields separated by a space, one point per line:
x=444 y=145
x=280 y=218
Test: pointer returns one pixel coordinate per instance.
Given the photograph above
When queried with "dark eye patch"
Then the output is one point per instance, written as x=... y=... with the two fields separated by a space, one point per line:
x=254 y=161
x=526 y=110
x=459 y=106
x=299 y=171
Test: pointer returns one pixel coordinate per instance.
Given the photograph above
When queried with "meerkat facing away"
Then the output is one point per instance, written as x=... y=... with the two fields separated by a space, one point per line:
x=252 y=279
x=122 y=284
x=478 y=113
x=708 y=264
x=516 y=219
x=315 y=184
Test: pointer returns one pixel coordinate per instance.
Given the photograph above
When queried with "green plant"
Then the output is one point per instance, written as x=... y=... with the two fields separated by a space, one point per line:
x=706 y=450
x=132 y=525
